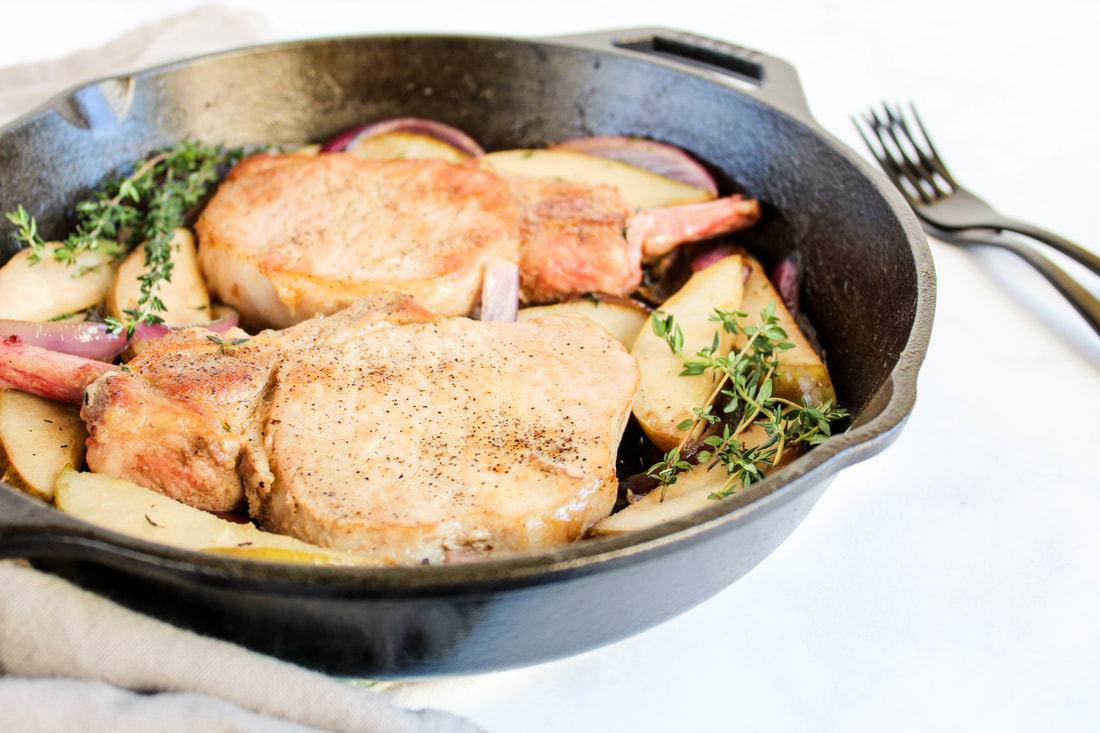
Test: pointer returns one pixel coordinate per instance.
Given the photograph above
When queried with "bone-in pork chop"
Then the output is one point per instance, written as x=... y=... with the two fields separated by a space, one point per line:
x=288 y=237
x=573 y=240
x=403 y=436
x=185 y=415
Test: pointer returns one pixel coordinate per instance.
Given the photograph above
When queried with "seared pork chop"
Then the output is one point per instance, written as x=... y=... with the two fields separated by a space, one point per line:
x=288 y=237
x=394 y=433
x=573 y=240
x=185 y=415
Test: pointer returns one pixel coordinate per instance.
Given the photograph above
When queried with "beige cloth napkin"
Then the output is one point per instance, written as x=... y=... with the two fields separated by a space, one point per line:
x=71 y=660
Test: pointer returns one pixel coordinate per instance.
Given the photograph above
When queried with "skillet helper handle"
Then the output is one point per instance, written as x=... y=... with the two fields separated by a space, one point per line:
x=769 y=79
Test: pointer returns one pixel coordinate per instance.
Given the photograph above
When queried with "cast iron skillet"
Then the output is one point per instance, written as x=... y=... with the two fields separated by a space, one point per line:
x=869 y=290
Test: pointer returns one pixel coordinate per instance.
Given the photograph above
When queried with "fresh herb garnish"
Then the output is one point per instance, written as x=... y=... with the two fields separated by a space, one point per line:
x=224 y=347
x=28 y=232
x=143 y=207
x=743 y=388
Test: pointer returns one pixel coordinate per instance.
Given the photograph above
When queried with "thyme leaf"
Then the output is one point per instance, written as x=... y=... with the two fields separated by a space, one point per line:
x=28 y=232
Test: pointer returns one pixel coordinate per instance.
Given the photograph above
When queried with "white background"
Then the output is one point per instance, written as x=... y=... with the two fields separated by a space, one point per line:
x=951 y=583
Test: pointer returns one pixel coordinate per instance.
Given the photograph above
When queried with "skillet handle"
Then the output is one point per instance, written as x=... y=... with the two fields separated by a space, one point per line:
x=770 y=79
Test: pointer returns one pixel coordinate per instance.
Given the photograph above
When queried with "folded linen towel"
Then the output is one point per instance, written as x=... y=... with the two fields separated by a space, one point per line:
x=70 y=656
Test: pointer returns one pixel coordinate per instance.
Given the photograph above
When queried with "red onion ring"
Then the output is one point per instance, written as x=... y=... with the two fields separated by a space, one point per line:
x=440 y=131
x=89 y=340
x=92 y=340
x=147 y=331
x=500 y=291
x=656 y=157
x=339 y=143
x=787 y=277
x=710 y=257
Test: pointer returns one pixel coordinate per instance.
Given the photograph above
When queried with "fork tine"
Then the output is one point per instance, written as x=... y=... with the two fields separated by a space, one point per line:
x=930 y=167
x=904 y=172
x=935 y=160
x=915 y=167
x=884 y=159
x=918 y=170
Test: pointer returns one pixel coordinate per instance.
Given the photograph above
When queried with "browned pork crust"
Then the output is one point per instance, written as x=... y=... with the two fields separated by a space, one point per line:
x=383 y=429
x=289 y=237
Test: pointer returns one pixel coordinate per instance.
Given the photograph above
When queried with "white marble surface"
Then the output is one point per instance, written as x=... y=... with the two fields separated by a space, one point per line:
x=950 y=583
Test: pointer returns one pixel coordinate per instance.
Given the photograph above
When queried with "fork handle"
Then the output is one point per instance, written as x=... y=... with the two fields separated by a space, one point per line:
x=1078 y=296
x=1063 y=245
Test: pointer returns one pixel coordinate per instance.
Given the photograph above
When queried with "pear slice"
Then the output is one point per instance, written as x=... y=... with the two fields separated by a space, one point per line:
x=666 y=398
x=397 y=145
x=640 y=188
x=800 y=375
x=623 y=320
x=125 y=507
x=49 y=289
x=38 y=439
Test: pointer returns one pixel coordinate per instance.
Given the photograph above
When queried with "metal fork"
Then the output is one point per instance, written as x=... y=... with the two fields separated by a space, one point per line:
x=953 y=214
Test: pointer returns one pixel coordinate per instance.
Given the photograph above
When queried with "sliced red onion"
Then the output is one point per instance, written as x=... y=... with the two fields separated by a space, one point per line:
x=787 y=278
x=500 y=291
x=88 y=340
x=148 y=331
x=228 y=319
x=339 y=143
x=660 y=158
x=440 y=131
x=710 y=257
x=716 y=255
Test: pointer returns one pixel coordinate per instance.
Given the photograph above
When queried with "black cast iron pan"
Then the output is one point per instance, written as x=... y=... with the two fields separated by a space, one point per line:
x=868 y=289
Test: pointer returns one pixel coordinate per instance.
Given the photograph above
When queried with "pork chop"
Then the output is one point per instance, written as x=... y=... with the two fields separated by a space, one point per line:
x=184 y=416
x=573 y=240
x=393 y=433
x=288 y=237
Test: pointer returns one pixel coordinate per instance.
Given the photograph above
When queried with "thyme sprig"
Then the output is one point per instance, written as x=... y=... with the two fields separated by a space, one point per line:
x=28 y=232
x=743 y=378
x=145 y=206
